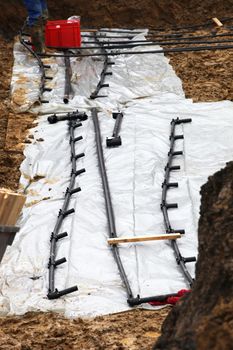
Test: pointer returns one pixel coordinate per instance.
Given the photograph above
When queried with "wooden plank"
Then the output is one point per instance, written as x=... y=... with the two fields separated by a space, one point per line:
x=11 y=205
x=143 y=238
x=216 y=21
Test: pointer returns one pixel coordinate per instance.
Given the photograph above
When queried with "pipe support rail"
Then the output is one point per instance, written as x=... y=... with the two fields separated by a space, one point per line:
x=73 y=121
x=164 y=51
x=181 y=261
x=42 y=66
x=101 y=84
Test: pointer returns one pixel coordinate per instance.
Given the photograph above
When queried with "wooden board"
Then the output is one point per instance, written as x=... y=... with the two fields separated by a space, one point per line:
x=11 y=205
x=216 y=21
x=143 y=238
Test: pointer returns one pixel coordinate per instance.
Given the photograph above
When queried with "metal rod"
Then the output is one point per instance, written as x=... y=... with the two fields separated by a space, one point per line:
x=172 y=50
x=100 y=30
x=109 y=36
x=155 y=41
x=128 y=44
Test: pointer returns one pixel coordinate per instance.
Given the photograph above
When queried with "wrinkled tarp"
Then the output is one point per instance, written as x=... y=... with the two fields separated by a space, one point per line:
x=149 y=93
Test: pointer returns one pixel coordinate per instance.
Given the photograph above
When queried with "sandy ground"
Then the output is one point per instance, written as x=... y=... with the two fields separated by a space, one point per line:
x=206 y=76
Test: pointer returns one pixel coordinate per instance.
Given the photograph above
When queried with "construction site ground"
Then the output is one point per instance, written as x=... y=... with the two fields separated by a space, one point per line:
x=206 y=76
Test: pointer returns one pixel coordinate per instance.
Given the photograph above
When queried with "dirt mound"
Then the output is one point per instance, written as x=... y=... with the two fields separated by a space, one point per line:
x=203 y=320
x=121 y=13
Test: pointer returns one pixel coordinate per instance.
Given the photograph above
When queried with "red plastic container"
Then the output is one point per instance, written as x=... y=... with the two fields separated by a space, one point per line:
x=63 y=34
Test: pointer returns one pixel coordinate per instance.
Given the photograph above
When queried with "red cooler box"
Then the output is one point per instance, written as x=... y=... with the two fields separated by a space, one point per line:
x=63 y=33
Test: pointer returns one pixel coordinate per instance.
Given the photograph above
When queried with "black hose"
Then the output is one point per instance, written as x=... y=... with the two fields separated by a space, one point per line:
x=172 y=50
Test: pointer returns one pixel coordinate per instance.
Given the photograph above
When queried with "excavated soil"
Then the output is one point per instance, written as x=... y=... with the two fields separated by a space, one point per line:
x=204 y=319
x=121 y=13
x=13 y=128
x=206 y=76
x=40 y=331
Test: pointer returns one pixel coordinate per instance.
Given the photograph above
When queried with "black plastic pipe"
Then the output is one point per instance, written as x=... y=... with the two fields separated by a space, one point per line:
x=101 y=84
x=56 y=235
x=172 y=50
x=132 y=301
x=68 y=91
x=40 y=63
x=115 y=139
x=181 y=261
x=108 y=202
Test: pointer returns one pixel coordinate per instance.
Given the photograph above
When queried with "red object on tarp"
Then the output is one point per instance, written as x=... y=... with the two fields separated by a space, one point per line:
x=171 y=300
x=63 y=33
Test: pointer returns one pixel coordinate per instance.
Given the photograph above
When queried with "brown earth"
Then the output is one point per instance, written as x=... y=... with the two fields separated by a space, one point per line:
x=121 y=13
x=13 y=128
x=132 y=330
x=206 y=76
x=204 y=319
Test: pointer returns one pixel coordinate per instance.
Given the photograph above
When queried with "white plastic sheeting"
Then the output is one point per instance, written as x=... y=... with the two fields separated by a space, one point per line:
x=147 y=90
